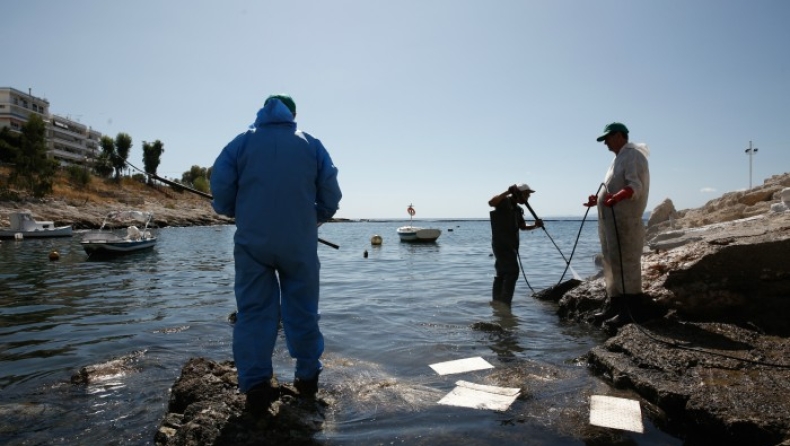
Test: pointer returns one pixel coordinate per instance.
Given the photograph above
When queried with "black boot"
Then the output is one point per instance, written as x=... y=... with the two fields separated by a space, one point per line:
x=496 y=290
x=508 y=288
x=623 y=315
x=307 y=387
x=262 y=395
x=610 y=308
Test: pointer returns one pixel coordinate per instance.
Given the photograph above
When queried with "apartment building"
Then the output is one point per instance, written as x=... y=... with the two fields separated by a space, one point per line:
x=68 y=141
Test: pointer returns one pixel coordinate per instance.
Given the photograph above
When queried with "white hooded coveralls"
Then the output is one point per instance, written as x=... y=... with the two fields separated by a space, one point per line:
x=620 y=227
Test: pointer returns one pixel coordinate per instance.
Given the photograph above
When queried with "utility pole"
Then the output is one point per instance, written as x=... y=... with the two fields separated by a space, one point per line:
x=750 y=151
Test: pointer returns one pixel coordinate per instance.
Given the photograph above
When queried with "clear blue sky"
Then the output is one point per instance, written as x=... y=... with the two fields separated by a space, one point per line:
x=437 y=103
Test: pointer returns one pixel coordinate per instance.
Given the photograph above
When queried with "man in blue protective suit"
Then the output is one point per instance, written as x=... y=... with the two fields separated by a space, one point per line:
x=621 y=203
x=280 y=184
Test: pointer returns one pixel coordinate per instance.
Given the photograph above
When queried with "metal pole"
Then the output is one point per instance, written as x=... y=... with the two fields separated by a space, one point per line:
x=750 y=151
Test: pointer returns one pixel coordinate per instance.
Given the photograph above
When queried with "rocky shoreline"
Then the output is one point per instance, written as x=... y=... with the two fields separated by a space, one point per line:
x=89 y=215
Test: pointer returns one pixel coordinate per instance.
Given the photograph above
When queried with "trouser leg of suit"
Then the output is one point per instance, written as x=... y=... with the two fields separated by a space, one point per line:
x=628 y=239
x=496 y=289
x=507 y=270
x=299 y=282
x=257 y=319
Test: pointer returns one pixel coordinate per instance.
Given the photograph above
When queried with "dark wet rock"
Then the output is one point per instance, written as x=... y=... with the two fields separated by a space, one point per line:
x=206 y=408
x=488 y=327
x=556 y=292
x=690 y=371
x=107 y=370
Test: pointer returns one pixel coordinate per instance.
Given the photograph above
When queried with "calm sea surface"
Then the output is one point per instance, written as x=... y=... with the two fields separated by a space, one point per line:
x=385 y=318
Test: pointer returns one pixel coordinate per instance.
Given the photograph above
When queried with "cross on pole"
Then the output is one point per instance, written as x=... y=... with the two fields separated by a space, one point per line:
x=751 y=151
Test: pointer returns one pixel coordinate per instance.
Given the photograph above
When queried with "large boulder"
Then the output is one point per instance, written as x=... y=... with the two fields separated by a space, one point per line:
x=662 y=217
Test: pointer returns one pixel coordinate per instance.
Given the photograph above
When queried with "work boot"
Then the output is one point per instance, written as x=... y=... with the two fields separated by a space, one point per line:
x=623 y=315
x=508 y=288
x=307 y=387
x=261 y=396
x=610 y=308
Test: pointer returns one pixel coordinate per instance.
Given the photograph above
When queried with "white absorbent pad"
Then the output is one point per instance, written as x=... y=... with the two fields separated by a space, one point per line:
x=461 y=366
x=617 y=413
x=478 y=396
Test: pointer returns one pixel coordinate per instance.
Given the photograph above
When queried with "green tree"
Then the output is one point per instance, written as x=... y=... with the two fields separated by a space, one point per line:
x=33 y=170
x=195 y=172
x=197 y=178
x=152 y=155
x=103 y=165
x=201 y=184
x=9 y=145
x=123 y=145
x=79 y=175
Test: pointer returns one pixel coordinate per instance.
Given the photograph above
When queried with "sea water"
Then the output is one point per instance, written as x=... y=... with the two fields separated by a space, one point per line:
x=387 y=312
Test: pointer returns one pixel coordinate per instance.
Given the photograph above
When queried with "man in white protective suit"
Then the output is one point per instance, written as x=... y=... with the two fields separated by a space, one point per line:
x=621 y=202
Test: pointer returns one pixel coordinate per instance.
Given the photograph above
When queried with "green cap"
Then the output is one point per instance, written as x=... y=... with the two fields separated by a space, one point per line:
x=613 y=127
x=285 y=99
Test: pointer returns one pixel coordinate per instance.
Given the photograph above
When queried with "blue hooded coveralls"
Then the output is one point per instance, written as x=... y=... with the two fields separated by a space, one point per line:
x=279 y=183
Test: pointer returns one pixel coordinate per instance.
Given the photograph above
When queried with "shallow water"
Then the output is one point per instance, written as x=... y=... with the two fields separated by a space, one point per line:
x=385 y=318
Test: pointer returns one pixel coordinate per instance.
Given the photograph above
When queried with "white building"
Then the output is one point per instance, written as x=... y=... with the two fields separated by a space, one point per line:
x=68 y=141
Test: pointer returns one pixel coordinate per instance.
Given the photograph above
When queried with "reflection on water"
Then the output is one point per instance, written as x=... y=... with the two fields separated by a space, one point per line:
x=385 y=318
x=505 y=340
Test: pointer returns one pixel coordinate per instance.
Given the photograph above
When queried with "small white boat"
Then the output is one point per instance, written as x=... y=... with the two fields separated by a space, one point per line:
x=108 y=242
x=24 y=224
x=415 y=233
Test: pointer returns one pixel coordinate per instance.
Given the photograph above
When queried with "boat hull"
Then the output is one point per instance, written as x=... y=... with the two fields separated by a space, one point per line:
x=415 y=234
x=63 y=231
x=99 y=247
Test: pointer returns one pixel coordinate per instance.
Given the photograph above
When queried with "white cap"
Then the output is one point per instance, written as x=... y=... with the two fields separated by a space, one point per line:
x=524 y=187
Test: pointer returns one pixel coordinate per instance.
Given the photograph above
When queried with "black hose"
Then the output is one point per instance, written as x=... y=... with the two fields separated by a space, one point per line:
x=522 y=271
x=578 y=235
x=518 y=256
x=567 y=262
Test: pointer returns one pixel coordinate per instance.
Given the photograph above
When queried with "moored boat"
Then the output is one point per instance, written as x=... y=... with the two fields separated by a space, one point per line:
x=24 y=225
x=412 y=233
x=108 y=242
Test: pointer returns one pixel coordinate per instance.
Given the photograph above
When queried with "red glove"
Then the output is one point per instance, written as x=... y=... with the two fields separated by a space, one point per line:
x=624 y=194
x=591 y=201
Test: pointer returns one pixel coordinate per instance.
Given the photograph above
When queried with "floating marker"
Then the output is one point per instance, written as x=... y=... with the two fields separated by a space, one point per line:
x=616 y=413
